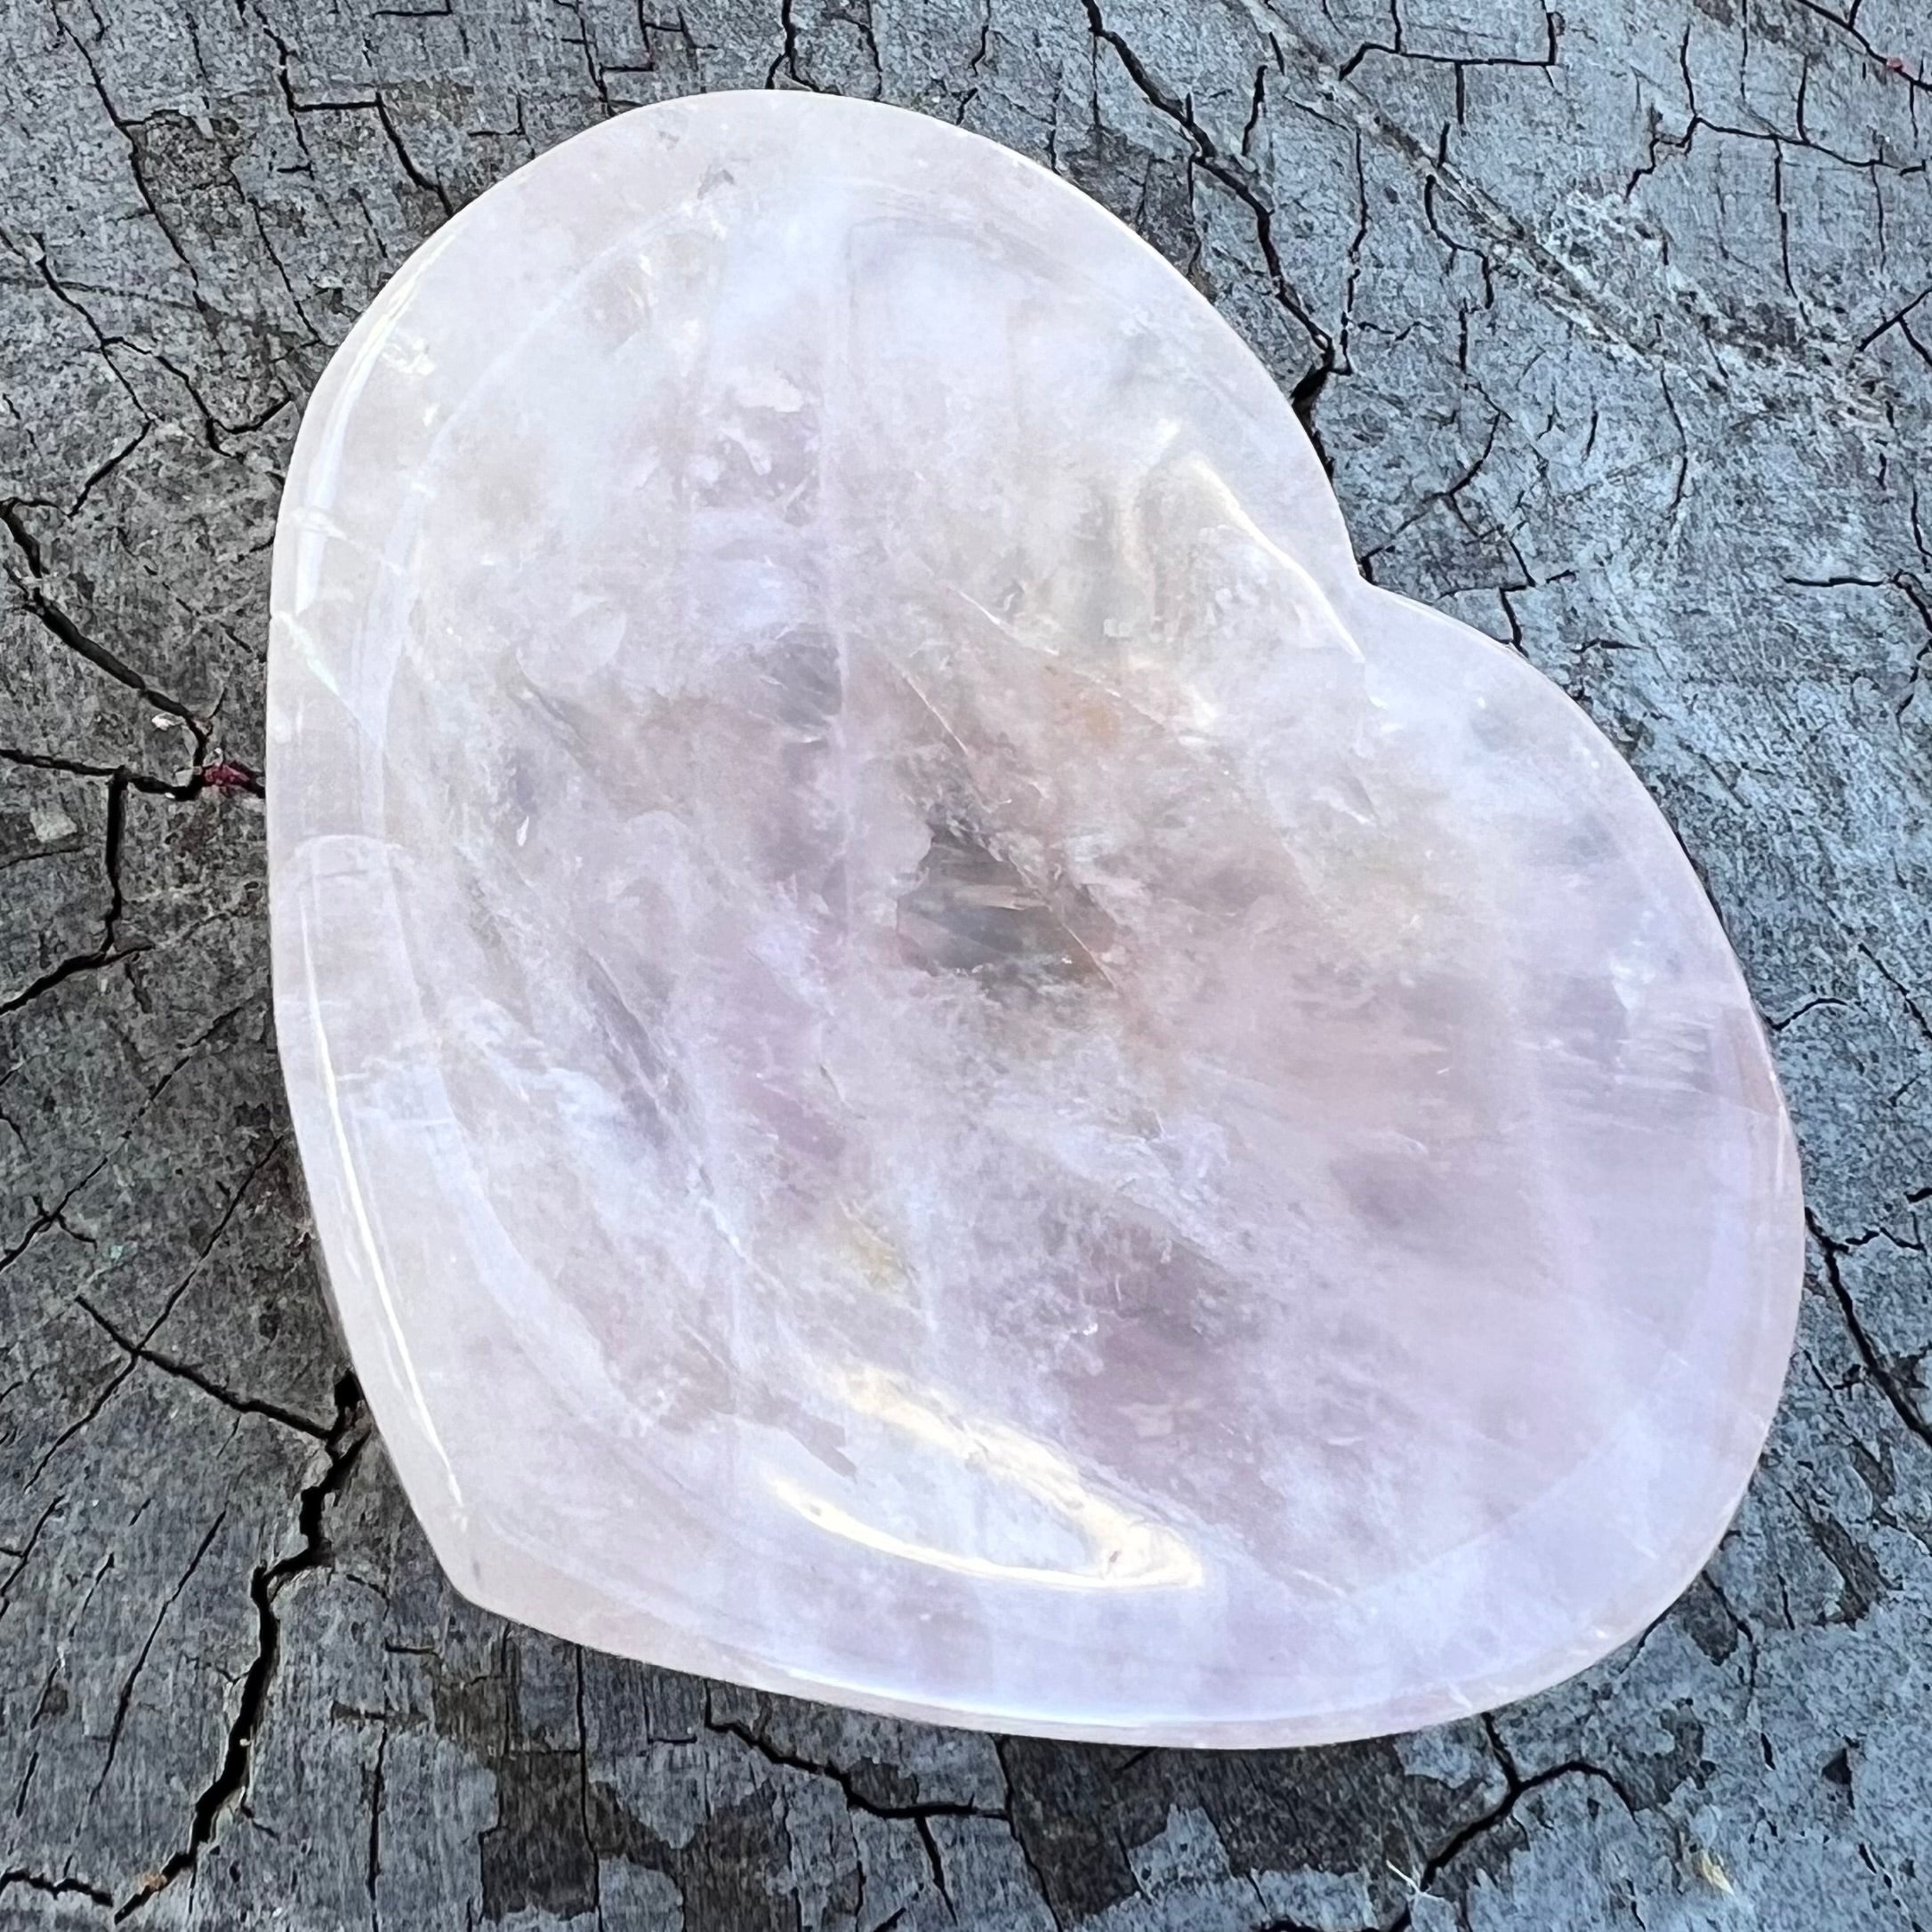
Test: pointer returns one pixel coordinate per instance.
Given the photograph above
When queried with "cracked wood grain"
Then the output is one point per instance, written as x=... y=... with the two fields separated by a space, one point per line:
x=1610 y=325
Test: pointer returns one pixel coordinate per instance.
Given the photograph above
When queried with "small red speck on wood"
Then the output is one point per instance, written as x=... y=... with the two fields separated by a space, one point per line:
x=226 y=776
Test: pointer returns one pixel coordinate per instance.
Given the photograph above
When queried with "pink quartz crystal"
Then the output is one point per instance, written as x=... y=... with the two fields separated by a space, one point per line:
x=941 y=1064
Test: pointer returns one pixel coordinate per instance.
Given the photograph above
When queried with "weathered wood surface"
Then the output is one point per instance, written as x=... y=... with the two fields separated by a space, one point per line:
x=1614 y=328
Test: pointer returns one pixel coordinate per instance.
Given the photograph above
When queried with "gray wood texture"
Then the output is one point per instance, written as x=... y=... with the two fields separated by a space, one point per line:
x=1615 y=328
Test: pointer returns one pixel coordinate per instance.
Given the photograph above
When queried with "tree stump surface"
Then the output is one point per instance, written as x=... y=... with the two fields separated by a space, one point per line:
x=1615 y=330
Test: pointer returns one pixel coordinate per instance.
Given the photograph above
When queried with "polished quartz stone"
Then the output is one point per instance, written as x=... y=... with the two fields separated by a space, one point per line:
x=941 y=1065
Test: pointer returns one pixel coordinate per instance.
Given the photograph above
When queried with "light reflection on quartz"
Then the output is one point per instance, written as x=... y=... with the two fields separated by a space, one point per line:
x=1124 y=1549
